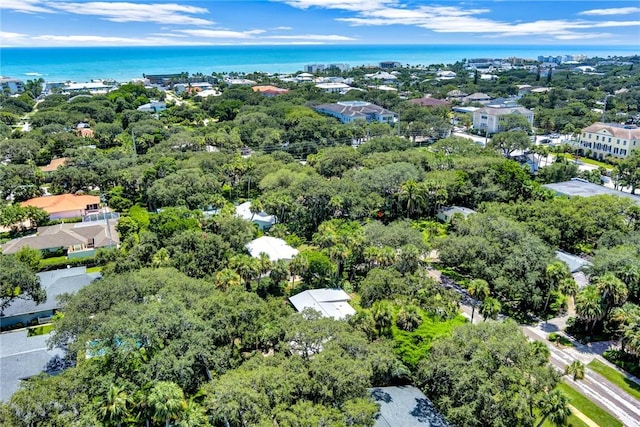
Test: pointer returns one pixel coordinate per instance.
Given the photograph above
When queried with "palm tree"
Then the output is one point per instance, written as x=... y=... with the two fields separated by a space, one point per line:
x=554 y=274
x=411 y=193
x=246 y=266
x=382 y=315
x=612 y=290
x=577 y=369
x=478 y=290
x=409 y=318
x=298 y=266
x=227 y=278
x=264 y=265
x=115 y=406
x=167 y=400
x=632 y=339
x=193 y=415
x=554 y=406
x=589 y=306
x=386 y=256
x=339 y=254
x=490 y=308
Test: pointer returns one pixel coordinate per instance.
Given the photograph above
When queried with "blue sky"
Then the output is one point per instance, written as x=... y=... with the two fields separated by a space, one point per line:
x=214 y=22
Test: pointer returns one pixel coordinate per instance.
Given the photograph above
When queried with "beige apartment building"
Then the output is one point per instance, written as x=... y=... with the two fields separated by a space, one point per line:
x=609 y=139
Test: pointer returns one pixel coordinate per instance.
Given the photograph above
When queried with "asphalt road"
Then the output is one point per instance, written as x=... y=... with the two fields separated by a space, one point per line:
x=594 y=386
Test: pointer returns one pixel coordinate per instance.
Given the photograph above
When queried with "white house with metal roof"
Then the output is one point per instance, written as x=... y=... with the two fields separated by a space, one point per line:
x=275 y=248
x=332 y=303
x=349 y=111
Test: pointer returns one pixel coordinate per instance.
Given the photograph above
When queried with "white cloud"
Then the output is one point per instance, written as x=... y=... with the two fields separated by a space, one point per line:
x=283 y=28
x=95 y=40
x=162 y=13
x=353 y=5
x=222 y=34
x=457 y=19
x=25 y=6
x=318 y=37
x=611 y=11
x=6 y=36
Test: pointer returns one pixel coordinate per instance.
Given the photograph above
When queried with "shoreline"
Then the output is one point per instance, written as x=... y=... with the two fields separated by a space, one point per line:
x=82 y=64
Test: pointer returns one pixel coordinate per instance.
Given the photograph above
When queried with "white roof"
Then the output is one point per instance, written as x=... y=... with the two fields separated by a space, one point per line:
x=332 y=86
x=243 y=210
x=328 y=302
x=208 y=92
x=88 y=85
x=277 y=249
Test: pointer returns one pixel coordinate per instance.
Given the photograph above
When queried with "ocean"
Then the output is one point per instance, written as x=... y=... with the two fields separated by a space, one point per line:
x=82 y=64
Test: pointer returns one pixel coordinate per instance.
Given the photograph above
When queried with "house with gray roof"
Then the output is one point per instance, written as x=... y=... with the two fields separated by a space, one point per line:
x=349 y=111
x=23 y=357
x=54 y=283
x=405 y=406
x=77 y=240
x=583 y=188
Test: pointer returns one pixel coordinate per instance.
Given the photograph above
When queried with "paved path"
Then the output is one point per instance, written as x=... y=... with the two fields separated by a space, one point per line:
x=588 y=421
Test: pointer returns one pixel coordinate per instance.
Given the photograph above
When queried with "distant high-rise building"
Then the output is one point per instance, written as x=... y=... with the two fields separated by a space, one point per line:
x=314 y=68
x=390 y=64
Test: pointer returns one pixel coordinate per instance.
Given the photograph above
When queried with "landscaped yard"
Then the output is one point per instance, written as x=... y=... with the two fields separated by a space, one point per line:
x=616 y=377
x=39 y=330
x=587 y=407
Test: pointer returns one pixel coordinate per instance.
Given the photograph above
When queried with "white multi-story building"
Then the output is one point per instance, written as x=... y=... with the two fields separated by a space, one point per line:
x=487 y=119
x=12 y=86
x=610 y=139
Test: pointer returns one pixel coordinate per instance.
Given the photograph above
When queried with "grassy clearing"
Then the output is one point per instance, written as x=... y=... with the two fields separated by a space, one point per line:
x=587 y=407
x=586 y=160
x=616 y=377
x=414 y=346
x=96 y=269
x=39 y=330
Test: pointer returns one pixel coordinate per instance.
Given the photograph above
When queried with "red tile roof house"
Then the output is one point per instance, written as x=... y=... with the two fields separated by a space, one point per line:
x=66 y=205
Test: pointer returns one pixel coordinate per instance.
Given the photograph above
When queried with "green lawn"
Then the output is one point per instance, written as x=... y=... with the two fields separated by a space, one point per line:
x=616 y=377
x=96 y=269
x=39 y=330
x=587 y=407
x=588 y=161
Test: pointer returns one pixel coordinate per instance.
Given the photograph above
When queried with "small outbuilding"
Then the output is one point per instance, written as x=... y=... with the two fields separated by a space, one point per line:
x=332 y=303
x=446 y=214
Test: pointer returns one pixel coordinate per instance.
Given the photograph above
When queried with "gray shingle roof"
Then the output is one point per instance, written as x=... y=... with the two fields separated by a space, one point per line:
x=55 y=283
x=405 y=406
x=20 y=358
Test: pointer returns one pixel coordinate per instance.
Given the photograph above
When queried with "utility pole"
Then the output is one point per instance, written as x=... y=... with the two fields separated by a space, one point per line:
x=135 y=151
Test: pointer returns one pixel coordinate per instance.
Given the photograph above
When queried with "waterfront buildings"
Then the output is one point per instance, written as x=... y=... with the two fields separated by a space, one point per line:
x=11 y=86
